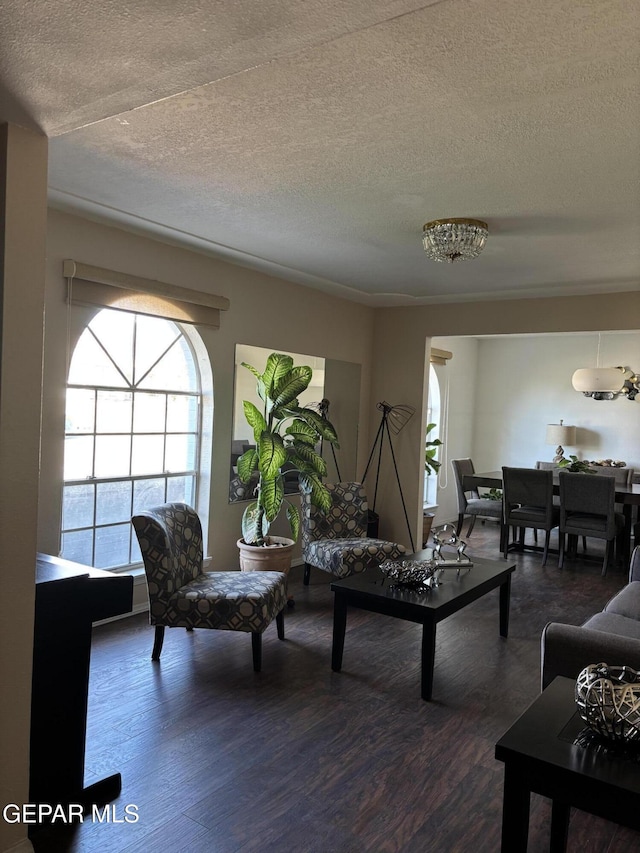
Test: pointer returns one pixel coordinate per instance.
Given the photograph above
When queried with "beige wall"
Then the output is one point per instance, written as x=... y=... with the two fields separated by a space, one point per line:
x=264 y=312
x=23 y=190
x=399 y=376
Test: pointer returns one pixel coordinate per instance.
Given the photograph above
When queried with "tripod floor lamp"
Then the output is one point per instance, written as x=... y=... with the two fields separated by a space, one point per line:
x=394 y=419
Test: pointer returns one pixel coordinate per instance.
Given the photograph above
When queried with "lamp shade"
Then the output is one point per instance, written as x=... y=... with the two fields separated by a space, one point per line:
x=561 y=434
x=605 y=379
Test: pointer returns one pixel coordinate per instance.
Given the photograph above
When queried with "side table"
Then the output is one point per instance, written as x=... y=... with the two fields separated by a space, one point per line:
x=544 y=752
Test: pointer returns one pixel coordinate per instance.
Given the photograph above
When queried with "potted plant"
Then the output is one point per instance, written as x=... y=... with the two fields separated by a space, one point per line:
x=286 y=435
x=575 y=465
x=431 y=466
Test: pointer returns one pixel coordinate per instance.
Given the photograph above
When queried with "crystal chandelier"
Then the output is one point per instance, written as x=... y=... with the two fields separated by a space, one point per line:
x=454 y=239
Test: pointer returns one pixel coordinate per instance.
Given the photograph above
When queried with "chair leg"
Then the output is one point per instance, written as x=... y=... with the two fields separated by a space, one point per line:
x=507 y=532
x=280 y=625
x=459 y=526
x=307 y=573
x=256 y=647
x=535 y=535
x=523 y=530
x=546 y=546
x=157 y=643
x=471 y=525
x=560 y=550
x=607 y=556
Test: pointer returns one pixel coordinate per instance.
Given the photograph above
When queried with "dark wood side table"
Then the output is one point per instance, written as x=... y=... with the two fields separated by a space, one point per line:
x=544 y=753
x=371 y=591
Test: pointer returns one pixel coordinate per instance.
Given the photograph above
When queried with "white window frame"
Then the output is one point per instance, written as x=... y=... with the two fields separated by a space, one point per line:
x=203 y=436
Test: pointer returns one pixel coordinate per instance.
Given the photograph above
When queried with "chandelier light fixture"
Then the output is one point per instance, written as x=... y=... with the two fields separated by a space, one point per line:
x=449 y=240
x=606 y=383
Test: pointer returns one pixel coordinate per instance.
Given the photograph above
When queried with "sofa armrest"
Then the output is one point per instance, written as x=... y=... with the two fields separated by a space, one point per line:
x=567 y=649
x=634 y=565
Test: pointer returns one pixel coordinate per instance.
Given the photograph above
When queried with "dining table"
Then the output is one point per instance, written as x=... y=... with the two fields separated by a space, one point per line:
x=627 y=495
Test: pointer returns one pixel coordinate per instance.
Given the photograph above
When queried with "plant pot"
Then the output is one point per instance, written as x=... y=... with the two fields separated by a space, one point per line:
x=272 y=557
x=427 y=521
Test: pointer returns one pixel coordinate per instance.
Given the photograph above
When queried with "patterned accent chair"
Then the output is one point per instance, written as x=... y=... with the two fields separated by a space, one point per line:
x=181 y=595
x=337 y=542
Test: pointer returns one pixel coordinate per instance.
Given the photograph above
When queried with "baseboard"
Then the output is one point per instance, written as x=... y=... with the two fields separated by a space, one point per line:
x=23 y=846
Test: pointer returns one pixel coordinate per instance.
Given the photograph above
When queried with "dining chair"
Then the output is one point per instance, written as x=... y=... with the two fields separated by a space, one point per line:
x=336 y=541
x=182 y=595
x=623 y=476
x=587 y=509
x=469 y=500
x=527 y=499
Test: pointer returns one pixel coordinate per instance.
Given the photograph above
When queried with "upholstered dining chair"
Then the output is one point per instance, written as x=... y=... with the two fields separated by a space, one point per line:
x=527 y=500
x=624 y=476
x=469 y=500
x=587 y=509
x=182 y=595
x=336 y=541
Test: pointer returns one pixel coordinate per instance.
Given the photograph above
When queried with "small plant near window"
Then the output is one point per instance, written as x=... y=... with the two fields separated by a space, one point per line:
x=431 y=464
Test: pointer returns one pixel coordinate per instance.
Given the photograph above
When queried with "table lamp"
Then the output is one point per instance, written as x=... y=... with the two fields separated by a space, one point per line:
x=560 y=434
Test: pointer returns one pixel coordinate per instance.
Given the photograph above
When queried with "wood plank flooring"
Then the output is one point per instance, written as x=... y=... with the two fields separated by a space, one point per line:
x=220 y=759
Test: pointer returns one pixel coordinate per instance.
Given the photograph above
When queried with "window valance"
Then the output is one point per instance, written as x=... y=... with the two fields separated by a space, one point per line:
x=439 y=356
x=89 y=285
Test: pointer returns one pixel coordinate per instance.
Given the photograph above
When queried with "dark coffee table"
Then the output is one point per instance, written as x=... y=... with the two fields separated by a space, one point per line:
x=545 y=752
x=372 y=591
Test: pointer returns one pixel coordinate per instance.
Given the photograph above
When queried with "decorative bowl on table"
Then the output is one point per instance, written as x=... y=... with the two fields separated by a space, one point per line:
x=420 y=575
x=608 y=700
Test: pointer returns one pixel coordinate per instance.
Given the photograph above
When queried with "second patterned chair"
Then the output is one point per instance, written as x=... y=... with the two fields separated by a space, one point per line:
x=336 y=542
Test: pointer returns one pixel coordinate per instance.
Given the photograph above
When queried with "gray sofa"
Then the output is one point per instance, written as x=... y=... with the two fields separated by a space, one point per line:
x=612 y=636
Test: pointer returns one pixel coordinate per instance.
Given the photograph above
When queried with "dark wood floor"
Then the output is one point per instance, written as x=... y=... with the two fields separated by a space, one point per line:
x=219 y=758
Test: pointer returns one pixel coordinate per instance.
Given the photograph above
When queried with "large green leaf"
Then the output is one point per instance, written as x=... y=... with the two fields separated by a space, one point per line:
x=272 y=453
x=293 y=514
x=278 y=365
x=324 y=428
x=290 y=385
x=255 y=419
x=320 y=496
x=247 y=464
x=312 y=462
x=251 y=532
x=271 y=496
x=301 y=431
x=259 y=384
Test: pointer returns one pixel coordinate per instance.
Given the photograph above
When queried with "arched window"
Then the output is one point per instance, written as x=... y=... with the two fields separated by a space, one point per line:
x=132 y=433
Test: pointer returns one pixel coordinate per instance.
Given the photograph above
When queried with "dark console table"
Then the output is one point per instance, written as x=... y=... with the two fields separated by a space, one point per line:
x=69 y=597
x=545 y=752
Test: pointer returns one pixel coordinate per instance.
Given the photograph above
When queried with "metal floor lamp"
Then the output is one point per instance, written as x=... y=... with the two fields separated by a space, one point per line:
x=394 y=419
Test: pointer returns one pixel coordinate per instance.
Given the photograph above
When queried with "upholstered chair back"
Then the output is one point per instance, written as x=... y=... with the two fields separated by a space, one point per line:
x=528 y=487
x=170 y=538
x=624 y=476
x=346 y=519
x=583 y=498
x=463 y=468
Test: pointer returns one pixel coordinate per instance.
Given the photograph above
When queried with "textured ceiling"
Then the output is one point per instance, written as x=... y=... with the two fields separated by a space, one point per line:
x=313 y=139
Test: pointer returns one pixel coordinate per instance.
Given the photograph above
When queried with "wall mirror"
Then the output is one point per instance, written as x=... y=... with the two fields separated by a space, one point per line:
x=337 y=382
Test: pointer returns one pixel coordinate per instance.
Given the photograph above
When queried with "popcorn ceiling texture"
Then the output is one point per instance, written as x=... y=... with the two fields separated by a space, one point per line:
x=314 y=139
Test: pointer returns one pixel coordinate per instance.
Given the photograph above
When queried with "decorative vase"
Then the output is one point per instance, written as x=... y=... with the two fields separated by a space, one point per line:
x=275 y=556
x=608 y=700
